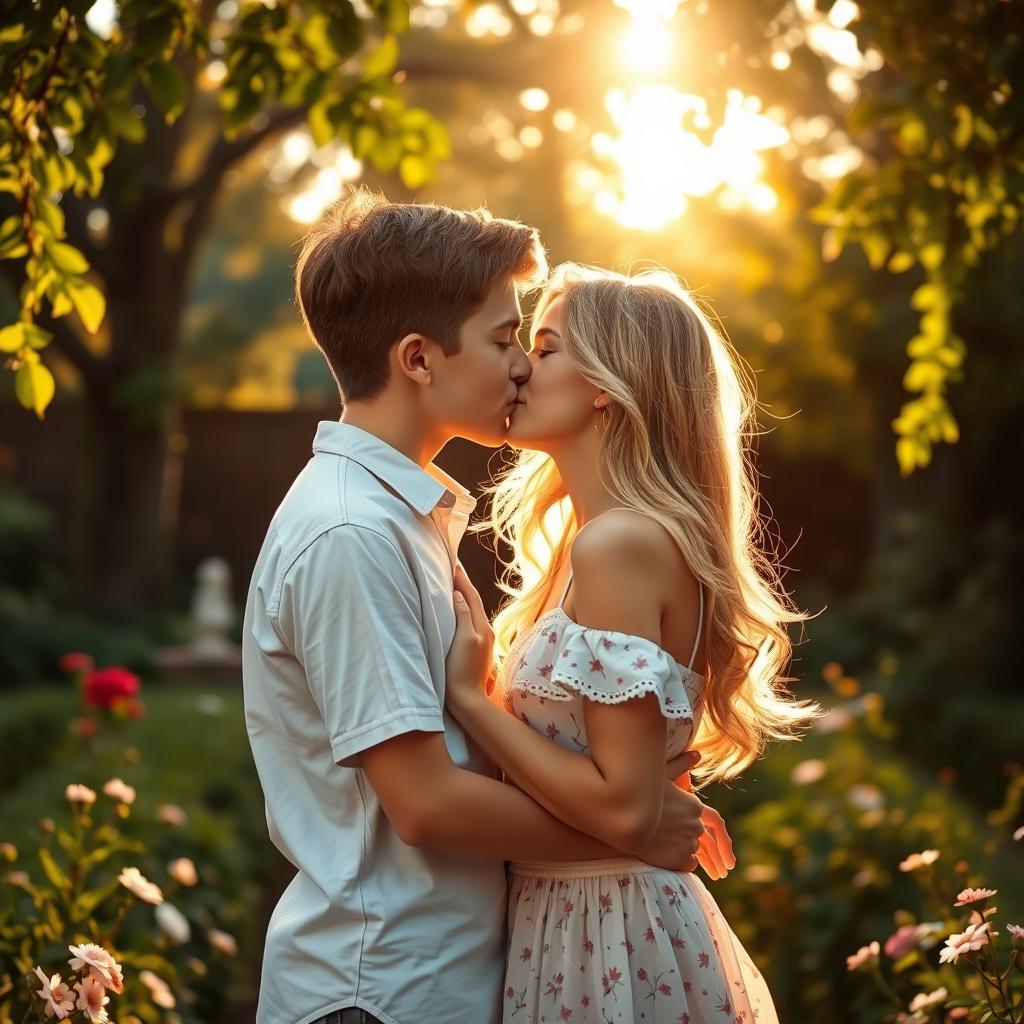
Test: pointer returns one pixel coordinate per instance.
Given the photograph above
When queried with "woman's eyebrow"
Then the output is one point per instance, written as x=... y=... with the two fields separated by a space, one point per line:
x=547 y=330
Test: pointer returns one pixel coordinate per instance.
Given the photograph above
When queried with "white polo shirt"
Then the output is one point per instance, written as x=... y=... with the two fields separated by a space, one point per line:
x=347 y=624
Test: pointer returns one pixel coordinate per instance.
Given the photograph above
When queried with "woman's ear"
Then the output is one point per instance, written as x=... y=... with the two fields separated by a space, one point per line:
x=602 y=401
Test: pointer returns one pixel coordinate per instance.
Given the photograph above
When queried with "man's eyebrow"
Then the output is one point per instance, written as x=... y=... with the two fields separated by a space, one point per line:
x=514 y=322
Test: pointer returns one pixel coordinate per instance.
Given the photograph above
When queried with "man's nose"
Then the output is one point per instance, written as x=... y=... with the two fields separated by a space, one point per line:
x=521 y=367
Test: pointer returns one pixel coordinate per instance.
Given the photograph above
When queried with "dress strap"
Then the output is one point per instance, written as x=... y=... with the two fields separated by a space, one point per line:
x=700 y=626
x=565 y=592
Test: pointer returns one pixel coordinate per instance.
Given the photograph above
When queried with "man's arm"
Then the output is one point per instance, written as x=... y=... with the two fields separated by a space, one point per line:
x=430 y=802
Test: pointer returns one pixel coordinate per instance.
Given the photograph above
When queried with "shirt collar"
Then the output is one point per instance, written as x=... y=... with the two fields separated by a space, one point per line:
x=423 y=488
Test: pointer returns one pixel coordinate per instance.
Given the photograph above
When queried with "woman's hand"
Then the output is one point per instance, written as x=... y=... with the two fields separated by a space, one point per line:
x=715 y=853
x=469 y=662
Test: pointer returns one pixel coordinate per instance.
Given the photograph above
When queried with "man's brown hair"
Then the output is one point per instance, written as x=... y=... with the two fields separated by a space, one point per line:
x=371 y=272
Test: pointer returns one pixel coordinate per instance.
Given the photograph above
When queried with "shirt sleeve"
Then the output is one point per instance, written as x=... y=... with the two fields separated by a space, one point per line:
x=350 y=611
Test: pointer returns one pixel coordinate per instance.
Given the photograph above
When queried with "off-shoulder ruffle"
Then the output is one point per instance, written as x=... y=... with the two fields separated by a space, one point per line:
x=602 y=665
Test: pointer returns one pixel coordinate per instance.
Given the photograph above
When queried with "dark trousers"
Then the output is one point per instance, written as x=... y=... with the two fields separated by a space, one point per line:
x=352 y=1015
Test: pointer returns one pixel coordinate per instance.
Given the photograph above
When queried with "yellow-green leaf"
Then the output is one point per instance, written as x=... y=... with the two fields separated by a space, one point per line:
x=34 y=386
x=414 y=170
x=381 y=61
x=932 y=255
x=89 y=302
x=900 y=262
x=12 y=338
x=964 y=128
x=67 y=258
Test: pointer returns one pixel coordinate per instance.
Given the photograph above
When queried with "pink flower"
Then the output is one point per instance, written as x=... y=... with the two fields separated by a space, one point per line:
x=565 y=1014
x=1019 y=834
x=92 y=998
x=904 y=939
x=509 y=992
x=973 y=896
x=79 y=794
x=526 y=954
x=1016 y=931
x=919 y=860
x=664 y=989
x=171 y=814
x=138 y=885
x=552 y=730
x=222 y=942
x=183 y=871
x=159 y=990
x=102 y=966
x=118 y=790
x=55 y=994
x=863 y=955
x=972 y=938
x=641 y=974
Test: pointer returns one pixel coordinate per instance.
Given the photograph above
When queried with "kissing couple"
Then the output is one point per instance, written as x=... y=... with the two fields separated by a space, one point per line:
x=494 y=821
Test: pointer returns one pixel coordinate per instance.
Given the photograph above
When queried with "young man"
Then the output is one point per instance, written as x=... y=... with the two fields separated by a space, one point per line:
x=396 y=825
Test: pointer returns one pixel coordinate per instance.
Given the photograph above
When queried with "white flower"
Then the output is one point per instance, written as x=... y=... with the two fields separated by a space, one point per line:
x=138 y=885
x=173 y=923
x=102 y=966
x=92 y=998
x=973 y=937
x=865 y=797
x=222 y=941
x=919 y=860
x=863 y=955
x=1019 y=834
x=55 y=994
x=159 y=990
x=120 y=790
x=79 y=794
x=184 y=871
x=973 y=896
x=1016 y=931
x=923 y=1000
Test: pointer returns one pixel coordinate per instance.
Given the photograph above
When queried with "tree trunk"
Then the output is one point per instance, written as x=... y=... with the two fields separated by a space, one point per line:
x=125 y=556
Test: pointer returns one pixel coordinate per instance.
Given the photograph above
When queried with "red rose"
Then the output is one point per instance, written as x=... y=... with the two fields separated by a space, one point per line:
x=106 y=686
x=74 y=662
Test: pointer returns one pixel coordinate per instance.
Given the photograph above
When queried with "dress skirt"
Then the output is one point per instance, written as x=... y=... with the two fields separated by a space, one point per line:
x=620 y=942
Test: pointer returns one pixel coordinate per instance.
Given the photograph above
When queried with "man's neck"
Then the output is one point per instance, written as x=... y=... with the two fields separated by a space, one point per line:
x=394 y=426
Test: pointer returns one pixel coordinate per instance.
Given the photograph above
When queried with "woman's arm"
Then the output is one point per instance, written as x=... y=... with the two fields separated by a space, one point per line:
x=616 y=793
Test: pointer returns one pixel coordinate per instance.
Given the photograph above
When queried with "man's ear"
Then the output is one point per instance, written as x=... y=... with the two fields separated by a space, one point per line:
x=412 y=357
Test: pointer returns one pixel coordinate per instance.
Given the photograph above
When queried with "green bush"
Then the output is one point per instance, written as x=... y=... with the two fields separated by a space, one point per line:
x=820 y=828
x=191 y=751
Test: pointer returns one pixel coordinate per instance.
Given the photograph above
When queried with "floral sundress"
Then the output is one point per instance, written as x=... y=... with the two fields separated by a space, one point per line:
x=617 y=941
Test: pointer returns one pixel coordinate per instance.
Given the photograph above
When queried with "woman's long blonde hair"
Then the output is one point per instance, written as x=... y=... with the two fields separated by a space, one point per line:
x=676 y=447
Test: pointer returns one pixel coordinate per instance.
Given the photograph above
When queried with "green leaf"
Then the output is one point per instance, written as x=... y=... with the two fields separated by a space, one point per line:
x=366 y=137
x=89 y=302
x=168 y=88
x=17 y=336
x=320 y=126
x=53 y=871
x=381 y=61
x=386 y=153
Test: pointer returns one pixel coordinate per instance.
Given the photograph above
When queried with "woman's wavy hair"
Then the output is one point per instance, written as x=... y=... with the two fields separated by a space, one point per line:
x=676 y=447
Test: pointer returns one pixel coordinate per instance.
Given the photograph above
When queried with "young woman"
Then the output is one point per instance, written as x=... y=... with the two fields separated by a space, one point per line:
x=644 y=617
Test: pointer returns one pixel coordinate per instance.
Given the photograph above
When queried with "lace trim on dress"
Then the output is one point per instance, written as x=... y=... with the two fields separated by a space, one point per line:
x=604 y=651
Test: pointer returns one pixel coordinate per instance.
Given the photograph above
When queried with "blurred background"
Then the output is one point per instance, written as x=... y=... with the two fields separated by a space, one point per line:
x=841 y=182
